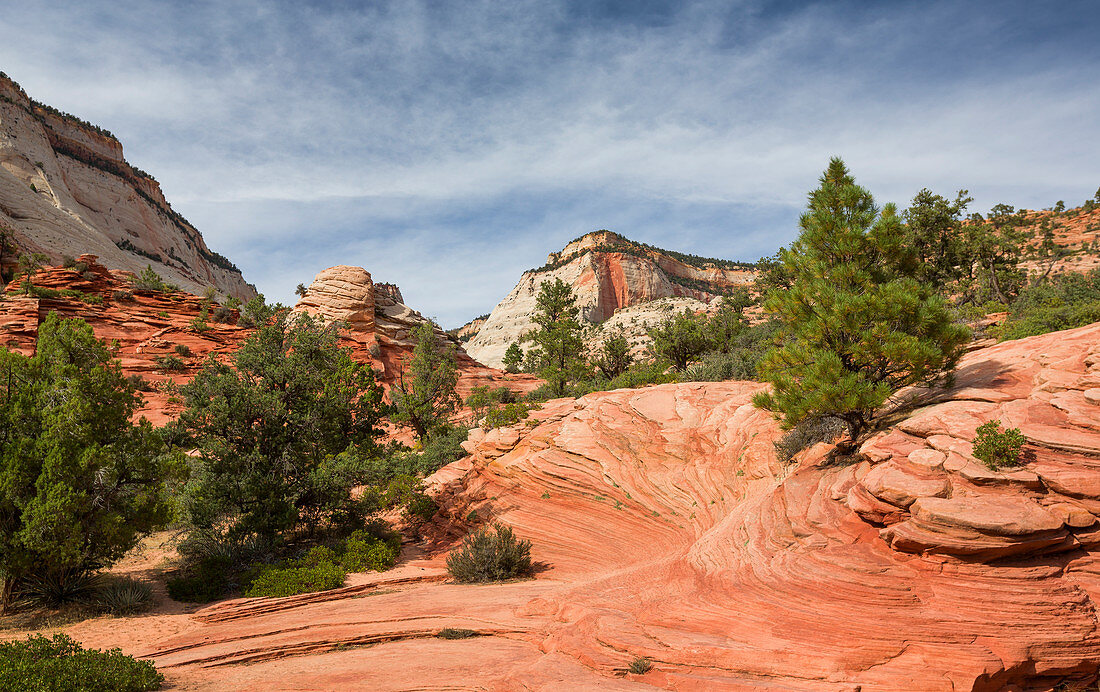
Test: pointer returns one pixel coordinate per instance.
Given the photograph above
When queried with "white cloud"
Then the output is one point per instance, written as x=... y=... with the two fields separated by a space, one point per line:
x=297 y=135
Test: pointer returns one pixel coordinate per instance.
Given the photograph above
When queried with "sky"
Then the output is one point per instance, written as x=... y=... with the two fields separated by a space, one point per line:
x=449 y=146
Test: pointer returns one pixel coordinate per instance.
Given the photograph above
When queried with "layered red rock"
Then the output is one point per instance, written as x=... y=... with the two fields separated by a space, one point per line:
x=150 y=326
x=67 y=189
x=664 y=527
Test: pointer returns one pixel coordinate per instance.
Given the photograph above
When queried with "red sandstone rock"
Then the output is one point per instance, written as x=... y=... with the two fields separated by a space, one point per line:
x=149 y=325
x=669 y=531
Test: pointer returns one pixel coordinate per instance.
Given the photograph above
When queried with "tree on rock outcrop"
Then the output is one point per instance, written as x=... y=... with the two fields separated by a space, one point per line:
x=856 y=324
x=284 y=430
x=558 y=350
x=79 y=482
x=424 y=396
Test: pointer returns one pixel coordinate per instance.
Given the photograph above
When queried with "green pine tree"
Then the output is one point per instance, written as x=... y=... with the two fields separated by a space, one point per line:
x=80 y=483
x=680 y=338
x=558 y=347
x=513 y=358
x=284 y=429
x=614 y=356
x=856 y=324
x=424 y=395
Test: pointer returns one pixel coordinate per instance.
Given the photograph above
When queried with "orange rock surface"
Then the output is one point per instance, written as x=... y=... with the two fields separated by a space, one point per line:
x=665 y=528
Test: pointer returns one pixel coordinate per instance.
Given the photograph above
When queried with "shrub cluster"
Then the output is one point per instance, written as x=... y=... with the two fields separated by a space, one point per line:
x=62 y=665
x=998 y=447
x=1046 y=305
x=325 y=567
x=490 y=554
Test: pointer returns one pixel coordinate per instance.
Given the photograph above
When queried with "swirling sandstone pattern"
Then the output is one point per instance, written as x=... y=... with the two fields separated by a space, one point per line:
x=668 y=530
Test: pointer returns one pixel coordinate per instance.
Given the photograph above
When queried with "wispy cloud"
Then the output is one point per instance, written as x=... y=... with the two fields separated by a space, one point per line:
x=448 y=146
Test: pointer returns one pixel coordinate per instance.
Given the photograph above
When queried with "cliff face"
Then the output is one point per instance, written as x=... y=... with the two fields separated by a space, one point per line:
x=607 y=273
x=66 y=190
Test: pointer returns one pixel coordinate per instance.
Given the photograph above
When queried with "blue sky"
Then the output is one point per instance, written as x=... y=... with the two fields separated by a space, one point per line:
x=448 y=146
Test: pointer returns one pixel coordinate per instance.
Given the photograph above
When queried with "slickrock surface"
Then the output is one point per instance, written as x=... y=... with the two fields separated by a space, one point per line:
x=607 y=273
x=665 y=528
x=66 y=189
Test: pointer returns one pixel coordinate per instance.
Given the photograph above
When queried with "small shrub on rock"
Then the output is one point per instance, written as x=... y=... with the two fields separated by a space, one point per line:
x=149 y=280
x=806 y=434
x=490 y=554
x=62 y=665
x=170 y=363
x=456 y=633
x=509 y=414
x=997 y=447
x=640 y=665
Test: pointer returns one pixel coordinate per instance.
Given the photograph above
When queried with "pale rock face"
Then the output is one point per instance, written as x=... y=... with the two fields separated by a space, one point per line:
x=341 y=294
x=347 y=295
x=604 y=281
x=87 y=199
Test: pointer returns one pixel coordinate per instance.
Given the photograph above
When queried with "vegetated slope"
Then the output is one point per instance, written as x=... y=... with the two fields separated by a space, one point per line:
x=668 y=530
x=152 y=327
x=607 y=272
x=1076 y=231
x=66 y=189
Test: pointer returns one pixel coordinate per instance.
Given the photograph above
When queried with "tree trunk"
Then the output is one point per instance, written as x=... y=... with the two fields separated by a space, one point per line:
x=5 y=594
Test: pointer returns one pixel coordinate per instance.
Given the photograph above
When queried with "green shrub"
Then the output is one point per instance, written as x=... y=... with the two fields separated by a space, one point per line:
x=362 y=552
x=640 y=665
x=420 y=507
x=199 y=323
x=437 y=451
x=641 y=374
x=201 y=582
x=456 y=633
x=170 y=363
x=139 y=383
x=62 y=665
x=124 y=596
x=490 y=554
x=997 y=447
x=215 y=565
x=149 y=280
x=508 y=414
x=287 y=581
x=223 y=315
x=183 y=350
